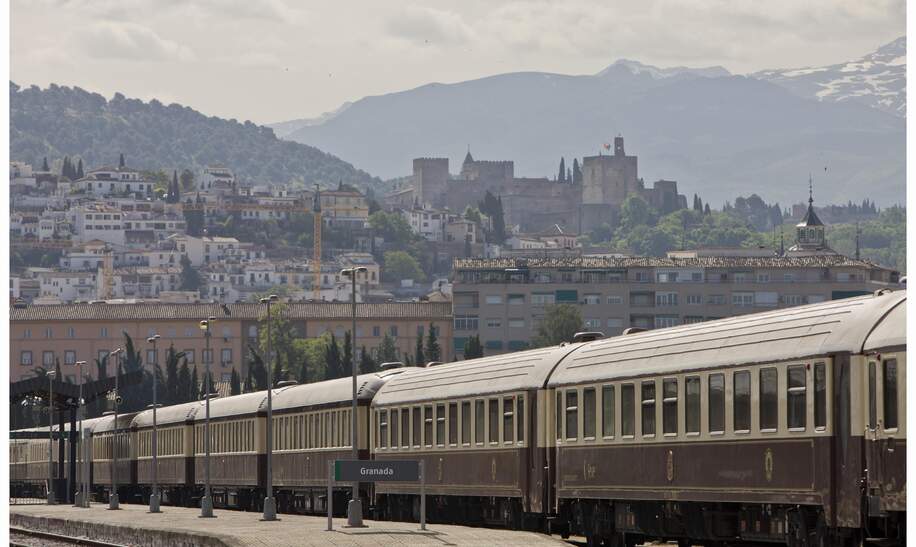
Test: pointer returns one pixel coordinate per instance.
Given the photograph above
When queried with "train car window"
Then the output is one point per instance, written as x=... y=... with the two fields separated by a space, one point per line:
x=415 y=432
x=493 y=421
x=465 y=422
x=520 y=419
x=428 y=425
x=648 y=408
x=820 y=396
x=559 y=413
x=453 y=424
x=890 y=394
x=393 y=422
x=607 y=411
x=405 y=427
x=572 y=414
x=479 y=417
x=741 y=401
x=769 y=399
x=334 y=429
x=716 y=403
x=669 y=406
x=322 y=427
x=508 y=415
x=589 y=413
x=627 y=410
x=383 y=428
x=377 y=425
x=796 y=388
x=440 y=425
x=872 y=395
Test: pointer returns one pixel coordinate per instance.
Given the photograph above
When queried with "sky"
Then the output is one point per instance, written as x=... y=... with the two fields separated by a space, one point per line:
x=276 y=60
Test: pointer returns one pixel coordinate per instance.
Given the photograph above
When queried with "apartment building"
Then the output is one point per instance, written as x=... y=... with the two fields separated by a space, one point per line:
x=504 y=299
x=43 y=335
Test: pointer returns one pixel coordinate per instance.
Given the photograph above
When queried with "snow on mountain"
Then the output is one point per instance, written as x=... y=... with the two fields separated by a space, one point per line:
x=877 y=80
x=635 y=67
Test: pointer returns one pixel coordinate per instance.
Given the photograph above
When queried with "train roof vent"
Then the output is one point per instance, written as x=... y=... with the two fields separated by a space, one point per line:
x=390 y=365
x=881 y=292
x=587 y=337
x=286 y=383
x=633 y=330
x=108 y=413
x=434 y=363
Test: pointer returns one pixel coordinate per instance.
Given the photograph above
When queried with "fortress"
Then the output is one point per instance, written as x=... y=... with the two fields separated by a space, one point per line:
x=537 y=203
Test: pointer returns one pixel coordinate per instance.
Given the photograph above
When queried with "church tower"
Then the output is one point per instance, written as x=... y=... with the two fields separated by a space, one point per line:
x=810 y=235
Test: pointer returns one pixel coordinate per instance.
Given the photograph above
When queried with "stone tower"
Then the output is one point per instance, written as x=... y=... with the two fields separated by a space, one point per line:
x=430 y=176
x=606 y=183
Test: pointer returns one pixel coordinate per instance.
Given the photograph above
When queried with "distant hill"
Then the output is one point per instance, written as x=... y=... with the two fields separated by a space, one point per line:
x=60 y=121
x=717 y=134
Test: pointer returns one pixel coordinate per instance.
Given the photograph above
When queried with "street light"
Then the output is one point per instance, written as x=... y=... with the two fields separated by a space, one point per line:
x=154 y=494
x=113 y=498
x=81 y=499
x=51 y=375
x=270 y=504
x=206 y=503
x=354 y=508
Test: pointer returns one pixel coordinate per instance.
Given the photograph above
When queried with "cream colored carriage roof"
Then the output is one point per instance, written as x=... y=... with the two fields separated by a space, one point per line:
x=791 y=333
x=168 y=415
x=508 y=372
x=891 y=331
x=107 y=423
x=331 y=391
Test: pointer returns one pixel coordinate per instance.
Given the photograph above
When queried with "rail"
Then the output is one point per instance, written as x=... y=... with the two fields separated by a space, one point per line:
x=47 y=537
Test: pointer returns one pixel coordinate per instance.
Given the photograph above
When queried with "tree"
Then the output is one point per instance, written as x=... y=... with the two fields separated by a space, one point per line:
x=636 y=212
x=561 y=177
x=400 y=265
x=332 y=360
x=560 y=323
x=190 y=278
x=79 y=169
x=194 y=389
x=121 y=160
x=432 y=345
x=172 y=393
x=387 y=352
x=184 y=383
x=346 y=361
x=577 y=171
x=187 y=179
x=419 y=356
x=235 y=383
x=281 y=343
x=44 y=164
x=473 y=348
x=256 y=369
x=392 y=227
x=706 y=210
x=366 y=363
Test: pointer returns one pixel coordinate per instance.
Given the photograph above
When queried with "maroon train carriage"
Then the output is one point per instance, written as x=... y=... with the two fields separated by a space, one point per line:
x=175 y=451
x=475 y=425
x=742 y=429
x=108 y=436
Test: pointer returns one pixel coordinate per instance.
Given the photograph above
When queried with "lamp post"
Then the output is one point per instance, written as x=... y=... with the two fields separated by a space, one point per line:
x=51 y=375
x=80 y=494
x=270 y=504
x=154 y=494
x=113 y=502
x=206 y=503
x=354 y=508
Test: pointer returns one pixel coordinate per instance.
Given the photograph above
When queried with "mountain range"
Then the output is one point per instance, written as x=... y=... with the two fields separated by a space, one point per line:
x=718 y=134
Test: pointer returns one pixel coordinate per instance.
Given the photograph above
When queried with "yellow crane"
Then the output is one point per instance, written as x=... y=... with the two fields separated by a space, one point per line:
x=316 y=259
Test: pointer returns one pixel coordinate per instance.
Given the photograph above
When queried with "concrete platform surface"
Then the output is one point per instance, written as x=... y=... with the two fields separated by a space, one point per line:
x=177 y=526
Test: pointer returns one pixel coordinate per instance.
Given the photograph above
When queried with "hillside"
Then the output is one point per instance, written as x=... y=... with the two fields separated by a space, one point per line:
x=716 y=134
x=61 y=121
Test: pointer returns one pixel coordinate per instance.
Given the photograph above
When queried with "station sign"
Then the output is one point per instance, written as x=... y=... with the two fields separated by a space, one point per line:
x=376 y=470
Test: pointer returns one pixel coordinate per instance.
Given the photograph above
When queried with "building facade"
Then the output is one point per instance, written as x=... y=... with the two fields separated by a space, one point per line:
x=40 y=336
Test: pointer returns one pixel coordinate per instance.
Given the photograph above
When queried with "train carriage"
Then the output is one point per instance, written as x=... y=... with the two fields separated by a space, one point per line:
x=109 y=436
x=474 y=424
x=174 y=448
x=747 y=428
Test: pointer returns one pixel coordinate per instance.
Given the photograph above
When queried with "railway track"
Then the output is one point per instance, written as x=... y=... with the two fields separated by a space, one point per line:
x=23 y=537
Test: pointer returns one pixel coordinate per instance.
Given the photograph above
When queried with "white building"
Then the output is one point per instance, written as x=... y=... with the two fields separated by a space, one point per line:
x=206 y=250
x=67 y=286
x=96 y=222
x=429 y=223
x=216 y=178
x=109 y=181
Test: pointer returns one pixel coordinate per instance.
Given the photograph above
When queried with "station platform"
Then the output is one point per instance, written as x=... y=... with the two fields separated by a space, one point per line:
x=178 y=526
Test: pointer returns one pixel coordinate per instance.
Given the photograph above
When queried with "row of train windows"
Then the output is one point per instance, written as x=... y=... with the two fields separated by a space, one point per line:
x=889 y=387
x=236 y=436
x=768 y=400
x=169 y=442
x=329 y=429
x=102 y=447
x=439 y=424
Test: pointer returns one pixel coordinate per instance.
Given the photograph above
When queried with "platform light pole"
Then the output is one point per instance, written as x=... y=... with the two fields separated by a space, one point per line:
x=154 y=494
x=113 y=501
x=206 y=503
x=354 y=508
x=51 y=374
x=80 y=494
x=270 y=504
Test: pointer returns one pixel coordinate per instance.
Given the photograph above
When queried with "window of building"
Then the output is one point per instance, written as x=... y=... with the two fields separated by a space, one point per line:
x=25 y=358
x=69 y=357
x=788 y=277
x=692 y=397
x=47 y=359
x=664 y=299
x=627 y=410
x=508 y=416
x=516 y=323
x=666 y=277
x=440 y=425
x=890 y=394
x=479 y=421
x=494 y=299
x=226 y=356
x=796 y=388
x=615 y=322
x=493 y=421
x=207 y=355
x=376 y=331
x=592 y=323
x=716 y=403
x=742 y=299
x=769 y=399
x=816 y=298
x=71 y=332
x=428 y=425
x=453 y=423
x=494 y=323
x=741 y=401
x=607 y=411
x=592 y=299
x=716 y=299
x=669 y=406
x=393 y=331
x=763 y=277
x=793 y=299
x=694 y=299
x=463 y=322
x=665 y=321
x=150 y=356
x=572 y=414
x=741 y=277
x=615 y=299
x=648 y=408
x=516 y=299
x=540 y=299
x=27 y=333
x=103 y=332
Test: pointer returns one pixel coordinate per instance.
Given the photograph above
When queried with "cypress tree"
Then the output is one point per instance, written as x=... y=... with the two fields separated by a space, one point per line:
x=235 y=384
x=171 y=395
x=303 y=377
x=194 y=389
x=183 y=391
x=561 y=177
x=706 y=209
x=79 y=169
x=432 y=345
x=44 y=164
x=346 y=361
x=332 y=358
x=419 y=356
x=121 y=160
x=249 y=382
x=366 y=363
x=577 y=171
x=472 y=347
x=177 y=191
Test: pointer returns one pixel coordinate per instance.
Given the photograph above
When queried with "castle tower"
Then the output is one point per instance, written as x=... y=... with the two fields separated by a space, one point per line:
x=430 y=180
x=618 y=146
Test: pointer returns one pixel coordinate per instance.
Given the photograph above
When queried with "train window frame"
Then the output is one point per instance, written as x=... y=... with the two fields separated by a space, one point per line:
x=383 y=428
x=720 y=405
x=884 y=391
x=747 y=403
x=608 y=409
x=648 y=418
x=405 y=428
x=560 y=413
x=480 y=425
x=520 y=419
x=770 y=400
x=670 y=406
x=589 y=413
x=794 y=392
x=428 y=426
x=628 y=410
x=440 y=425
x=394 y=428
x=493 y=411
x=872 y=415
x=821 y=385
x=508 y=419
x=571 y=415
x=466 y=410
x=452 y=424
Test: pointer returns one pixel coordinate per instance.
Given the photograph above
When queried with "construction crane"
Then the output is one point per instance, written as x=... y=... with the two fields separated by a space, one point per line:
x=316 y=260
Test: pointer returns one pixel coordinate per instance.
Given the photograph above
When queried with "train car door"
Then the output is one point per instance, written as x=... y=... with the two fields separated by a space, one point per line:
x=885 y=450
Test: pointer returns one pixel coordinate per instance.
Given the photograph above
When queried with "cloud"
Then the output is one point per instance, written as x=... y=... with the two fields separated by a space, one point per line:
x=425 y=25
x=129 y=41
